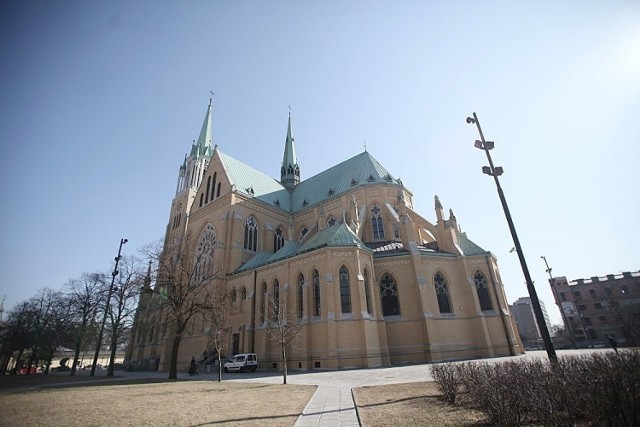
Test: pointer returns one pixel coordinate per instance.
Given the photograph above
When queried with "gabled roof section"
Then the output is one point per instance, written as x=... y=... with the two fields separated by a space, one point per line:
x=360 y=170
x=259 y=259
x=249 y=181
x=468 y=247
x=289 y=250
x=339 y=235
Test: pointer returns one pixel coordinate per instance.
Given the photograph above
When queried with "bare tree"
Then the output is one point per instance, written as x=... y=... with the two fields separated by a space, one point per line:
x=218 y=320
x=122 y=306
x=284 y=326
x=84 y=295
x=185 y=283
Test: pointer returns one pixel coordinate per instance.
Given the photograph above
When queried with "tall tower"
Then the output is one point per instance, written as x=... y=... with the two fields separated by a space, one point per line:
x=194 y=165
x=290 y=171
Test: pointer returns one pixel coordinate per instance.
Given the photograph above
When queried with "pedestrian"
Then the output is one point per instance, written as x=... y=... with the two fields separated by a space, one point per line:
x=193 y=367
x=613 y=343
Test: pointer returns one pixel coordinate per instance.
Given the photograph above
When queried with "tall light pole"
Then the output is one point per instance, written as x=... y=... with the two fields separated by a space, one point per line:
x=553 y=290
x=114 y=273
x=495 y=172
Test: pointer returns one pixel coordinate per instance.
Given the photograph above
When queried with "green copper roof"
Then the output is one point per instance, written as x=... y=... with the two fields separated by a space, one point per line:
x=251 y=182
x=336 y=236
x=468 y=247
x=339 y=235
x=202 y=147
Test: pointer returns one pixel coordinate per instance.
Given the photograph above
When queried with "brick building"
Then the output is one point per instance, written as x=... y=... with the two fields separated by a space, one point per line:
x=597 y=307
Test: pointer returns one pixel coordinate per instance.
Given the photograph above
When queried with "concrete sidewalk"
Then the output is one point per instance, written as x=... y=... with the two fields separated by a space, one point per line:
x=330 y=406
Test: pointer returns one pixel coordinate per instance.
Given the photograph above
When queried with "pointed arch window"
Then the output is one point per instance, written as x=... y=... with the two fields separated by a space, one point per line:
x=389 y=296
x=483 y=291
x=345 y=291
x=234 y=295
x=300 y=296
x=243 y=293
x=367 y=290
x=377 y=222
x=251 y=234
x=278 y=239
x=201 y=199
x=206 y=199
x=263 y=303
x=316 y=293
x=331 y=221
x=442 y=293
x=303 y=232
x=276 y=300
x=218 y=190
x=213 y=187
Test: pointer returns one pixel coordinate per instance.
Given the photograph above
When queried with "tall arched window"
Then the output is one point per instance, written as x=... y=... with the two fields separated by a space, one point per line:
x=389 y=296
x=213 y=187
x=331 y=221
x=483 y=291
x=251 y=234
x=442 y=293
x=278 y=239
x=234 y=295
x=300 y=296
x=316 y=293
x=206 y=198
x=303 y=232
x=276 y=300
x=218 y=190
x=243 y=293
x=377 y=222
x=367 y=290
x=345 y=291
x=263 y=304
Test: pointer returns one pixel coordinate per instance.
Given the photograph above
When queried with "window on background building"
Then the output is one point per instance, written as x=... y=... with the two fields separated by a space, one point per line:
x=345 y=291
x=576 y=295
x=598 y=306
x=603 y=320
x=389 y=296
x=608 y=291
x=592 y=293
x=367 y=290
x=563 y=296
x=587 y=321
x=278 y=239
x=483 y=291
x=624 y=289
x=300 y=296
x=442 y=293
x=582 y=307
x=316 y=293
x=251 y=234
x=377 y=222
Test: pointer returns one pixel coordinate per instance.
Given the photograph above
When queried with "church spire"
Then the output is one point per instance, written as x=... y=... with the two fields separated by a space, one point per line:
x=290 y=170
x=194 y=166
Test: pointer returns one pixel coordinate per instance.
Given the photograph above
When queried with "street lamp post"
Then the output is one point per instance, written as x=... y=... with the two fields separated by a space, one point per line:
x=553 y=290
x=535 y=302
x=114 y=273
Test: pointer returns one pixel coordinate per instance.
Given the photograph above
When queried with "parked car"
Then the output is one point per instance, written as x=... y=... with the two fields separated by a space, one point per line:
x=242 y=362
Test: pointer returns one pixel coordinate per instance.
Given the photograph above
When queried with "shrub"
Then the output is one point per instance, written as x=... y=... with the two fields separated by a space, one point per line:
x=448 y=379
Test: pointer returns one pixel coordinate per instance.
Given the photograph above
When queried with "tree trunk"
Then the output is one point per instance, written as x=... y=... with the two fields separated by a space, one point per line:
x=76 y=356
x=173 y=365
x=114 y=343
x=284 y=369
x=219 y=368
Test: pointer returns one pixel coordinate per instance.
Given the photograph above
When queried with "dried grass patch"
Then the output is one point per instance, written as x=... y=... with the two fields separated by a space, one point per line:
x=186 y=403
x=411 y=404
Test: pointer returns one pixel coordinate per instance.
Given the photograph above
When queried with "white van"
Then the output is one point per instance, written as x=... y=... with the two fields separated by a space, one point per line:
x=242 y=362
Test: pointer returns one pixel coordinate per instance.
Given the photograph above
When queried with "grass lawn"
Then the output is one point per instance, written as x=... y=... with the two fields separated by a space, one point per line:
x=182 y=403
x=411 y=404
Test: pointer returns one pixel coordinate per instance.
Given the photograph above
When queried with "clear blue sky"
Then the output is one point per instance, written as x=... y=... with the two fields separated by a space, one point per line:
x=99 y=103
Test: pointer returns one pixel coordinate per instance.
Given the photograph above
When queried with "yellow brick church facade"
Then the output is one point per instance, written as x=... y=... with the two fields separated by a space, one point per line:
x=371 y=281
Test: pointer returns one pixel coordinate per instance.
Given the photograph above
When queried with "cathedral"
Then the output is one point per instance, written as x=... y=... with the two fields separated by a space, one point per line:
x=371 y=281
